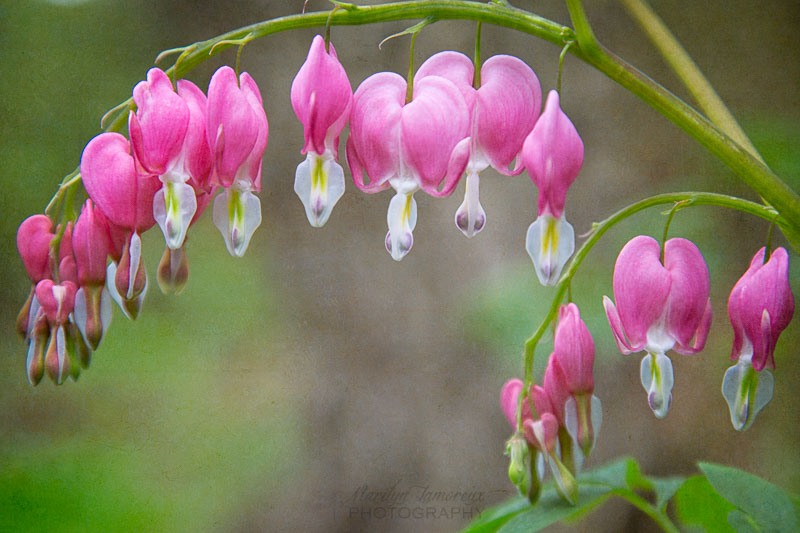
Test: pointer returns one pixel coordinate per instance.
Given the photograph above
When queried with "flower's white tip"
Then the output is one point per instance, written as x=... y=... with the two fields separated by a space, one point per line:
x=130 y=307
x=237 y=215
x=319 y=183
x=174 y=205
x=550 y=243
x=657 y=380
x=747 y=392
x=583 y=427
x=402 y=219
x=470 y=216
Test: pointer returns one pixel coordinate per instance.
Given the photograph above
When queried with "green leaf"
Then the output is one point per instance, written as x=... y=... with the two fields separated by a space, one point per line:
x=551 y=509
x=665 y=488
x=623 y=473
x=742 y=522
x=698 y=504
x=769 y=506
x=492 y=519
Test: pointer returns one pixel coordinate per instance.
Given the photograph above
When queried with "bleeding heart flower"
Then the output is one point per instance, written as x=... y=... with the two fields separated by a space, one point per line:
x=407 y=145
x=237 y=133
x=659 y=307
x=760 y=307
x=553 y=156
x=321 y=99
x=33 y=243
x=125 y=197
x=503 y=111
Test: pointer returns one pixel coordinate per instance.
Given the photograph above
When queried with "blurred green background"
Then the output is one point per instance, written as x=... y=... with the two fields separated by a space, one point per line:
x=276 y=386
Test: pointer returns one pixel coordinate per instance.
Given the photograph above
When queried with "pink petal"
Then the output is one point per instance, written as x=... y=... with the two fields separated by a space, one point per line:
x=197 y=154
x=233 y=127
x=509 y=398
x=254 y=159
x=688 y=295
x=374 y=144
x=321 y=96
x=641 y=288
x=459 y=158
x=454 y=67
x=159 y=124
x=33 y=243
x=109 y=175
x=573 y=348
x=57 y=301
x=506 y=110
x=432 y=124
x=553 y=155
x=555 y=383
x=90 y=245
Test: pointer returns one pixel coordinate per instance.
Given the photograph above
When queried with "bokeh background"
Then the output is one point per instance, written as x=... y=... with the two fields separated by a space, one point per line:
x=278 y=386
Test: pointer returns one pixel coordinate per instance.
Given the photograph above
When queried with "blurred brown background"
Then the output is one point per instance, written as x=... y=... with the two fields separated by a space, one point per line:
x=279 y=390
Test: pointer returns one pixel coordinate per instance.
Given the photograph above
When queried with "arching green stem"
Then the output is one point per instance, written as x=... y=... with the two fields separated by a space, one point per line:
x=687 y=199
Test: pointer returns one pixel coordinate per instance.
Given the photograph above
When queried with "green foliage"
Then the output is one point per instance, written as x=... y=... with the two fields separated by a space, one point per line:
x=724 y=500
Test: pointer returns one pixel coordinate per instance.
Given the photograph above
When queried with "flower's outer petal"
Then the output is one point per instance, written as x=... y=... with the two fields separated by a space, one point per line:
x=550 y=242
x=541 y=401
x=700 y=336
x=509 y=399
x=33 y=243
x=573 y=347
x=374 y=143
x=232 y=128
x=321 y=96
x=452 y=66
x=197 y=160
x=158 y=128
x=507 y=106
x=553 y=155
x=56 y=300
x=459 y=158
x=90 y=245
x=737 y=305
x=109 y=175
x=555 y=384
x=688 y=294
x=641 y=287
x=767 y=290
x=544 y=432
x=252 y=168
x=432 y=124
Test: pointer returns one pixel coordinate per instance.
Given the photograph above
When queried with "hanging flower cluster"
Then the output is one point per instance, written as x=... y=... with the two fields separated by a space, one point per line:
x=182 y=148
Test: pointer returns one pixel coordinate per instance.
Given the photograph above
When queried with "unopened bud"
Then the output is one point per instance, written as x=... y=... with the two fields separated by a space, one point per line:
x=173 y=270
x=56 y=360
x=23 y=318
x=518 y=470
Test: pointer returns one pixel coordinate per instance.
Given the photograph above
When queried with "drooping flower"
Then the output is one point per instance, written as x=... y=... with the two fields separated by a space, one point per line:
x=125 y=197
x=90 y=246
x=407 y=145
x=503 y=111
x=573 y=361
x=321 y=98
x=237 y=133
x=34 y=236
x=659 y=307
x=57 y=302
x=760 y=307
x=553 y=156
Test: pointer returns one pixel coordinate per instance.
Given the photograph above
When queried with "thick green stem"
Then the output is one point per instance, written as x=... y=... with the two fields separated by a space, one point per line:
x=687 y=199
x=690 y=74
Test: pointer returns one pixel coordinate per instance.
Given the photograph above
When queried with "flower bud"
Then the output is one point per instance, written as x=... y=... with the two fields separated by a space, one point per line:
x=173 y=270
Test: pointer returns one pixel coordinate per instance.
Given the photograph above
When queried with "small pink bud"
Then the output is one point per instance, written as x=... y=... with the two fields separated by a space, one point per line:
x=555 y=383
x=573 y=347
x=33 y=243
x=90 y=245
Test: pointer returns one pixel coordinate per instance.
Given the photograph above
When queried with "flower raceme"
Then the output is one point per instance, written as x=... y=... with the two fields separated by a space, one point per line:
x=407 y=145
x=237 y=133
x=503 y=111
x=760 y=307
x=553 y=156
x=659 y=307
x=321 y=98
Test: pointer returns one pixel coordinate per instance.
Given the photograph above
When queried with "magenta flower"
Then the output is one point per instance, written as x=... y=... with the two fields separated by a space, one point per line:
x=553 y=156
x=503 y=112
x=321 y=99
x=168 y=140
x=573 y=362
x=760 y=307
x=125 y=197
x=33 y=243
x=237 y=133
x=407 y=145
x=57 y=302
x=659 y=307
x=91 y=247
